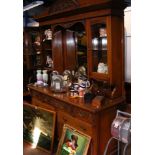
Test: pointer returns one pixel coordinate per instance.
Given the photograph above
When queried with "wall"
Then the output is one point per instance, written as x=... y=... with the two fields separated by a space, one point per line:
x=29 y=22
x=127 y=24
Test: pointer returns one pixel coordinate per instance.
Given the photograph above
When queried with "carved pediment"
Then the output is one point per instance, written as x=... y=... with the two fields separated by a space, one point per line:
x=63 y=5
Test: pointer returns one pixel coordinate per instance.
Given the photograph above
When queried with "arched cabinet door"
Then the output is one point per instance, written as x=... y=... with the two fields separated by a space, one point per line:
x=64 y=50
x=69 y=50
x=57 y=51
x=67 y=43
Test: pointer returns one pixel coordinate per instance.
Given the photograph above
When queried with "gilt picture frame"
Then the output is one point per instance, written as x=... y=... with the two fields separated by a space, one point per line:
x=73 y=142
x=39 y=127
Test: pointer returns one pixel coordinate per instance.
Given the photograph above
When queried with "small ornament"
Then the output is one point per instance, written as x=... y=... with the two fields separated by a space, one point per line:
x=49 y=62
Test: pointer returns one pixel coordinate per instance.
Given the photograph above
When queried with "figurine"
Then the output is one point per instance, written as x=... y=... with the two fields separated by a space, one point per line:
x=102 y=68
x=102 y=39
x=81 y=72
x=45 y=77
x=37 y=41
x=67 y=78
x=102 y=32
x=49 y=62
x=48 y=34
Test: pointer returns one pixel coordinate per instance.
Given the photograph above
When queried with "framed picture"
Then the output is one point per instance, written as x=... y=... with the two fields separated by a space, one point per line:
x=73 y=142
x=38 y=127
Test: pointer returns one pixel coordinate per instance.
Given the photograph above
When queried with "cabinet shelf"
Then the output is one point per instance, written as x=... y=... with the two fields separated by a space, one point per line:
x=103 y=50
x=47 y=49
x=32 y=54
x=48 y=68
x=99 y=76
x=47 y=40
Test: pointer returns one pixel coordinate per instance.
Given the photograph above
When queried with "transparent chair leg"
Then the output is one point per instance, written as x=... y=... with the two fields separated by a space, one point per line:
x=125 y=147
x=106 y=148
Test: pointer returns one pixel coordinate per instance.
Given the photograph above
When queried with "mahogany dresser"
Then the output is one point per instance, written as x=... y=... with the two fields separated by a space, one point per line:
x=95 y=122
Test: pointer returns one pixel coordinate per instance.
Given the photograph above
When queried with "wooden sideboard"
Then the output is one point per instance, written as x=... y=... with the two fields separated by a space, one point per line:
x=95 y=122
x=68 y=20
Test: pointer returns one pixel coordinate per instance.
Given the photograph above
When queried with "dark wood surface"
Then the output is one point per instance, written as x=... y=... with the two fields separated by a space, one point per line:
x=95 y=122
x=80 y=7
x=57 y=48
x=77 y=102
x=64 y=50
x=70 y=51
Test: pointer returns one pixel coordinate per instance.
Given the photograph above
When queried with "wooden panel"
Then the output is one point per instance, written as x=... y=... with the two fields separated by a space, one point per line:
x=40 y=99
x=76 y=17
x=77 y=123
x=57 y=49
x=62 y=5
x=64 y=118
x=116 y=31
x=105 y=128
x=81 y=6
x=100 y=2
x=64 y=102
x=70 y=50
x=39 y=103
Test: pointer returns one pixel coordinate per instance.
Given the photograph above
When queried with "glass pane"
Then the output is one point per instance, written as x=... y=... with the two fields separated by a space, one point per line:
x=81 y=49
x=99 y=48
x=81 y=44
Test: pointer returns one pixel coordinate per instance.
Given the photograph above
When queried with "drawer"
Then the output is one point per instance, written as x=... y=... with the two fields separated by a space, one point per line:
x=39 y=103
x=83 y=126
x=83 y=115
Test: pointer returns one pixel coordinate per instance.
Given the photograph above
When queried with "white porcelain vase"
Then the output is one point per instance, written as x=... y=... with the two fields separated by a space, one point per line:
x=39 y=75
x=45 y=76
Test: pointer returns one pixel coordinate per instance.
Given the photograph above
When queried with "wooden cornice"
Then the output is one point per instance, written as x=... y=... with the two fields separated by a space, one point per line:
x=62 y=8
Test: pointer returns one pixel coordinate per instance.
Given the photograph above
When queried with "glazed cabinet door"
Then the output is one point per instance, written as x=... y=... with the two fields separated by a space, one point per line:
x=32 y=48
x=98 y=48
x=106 y=51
